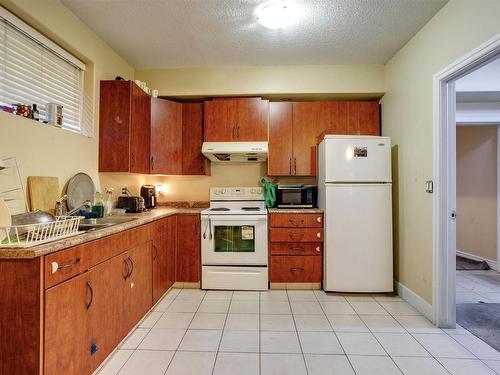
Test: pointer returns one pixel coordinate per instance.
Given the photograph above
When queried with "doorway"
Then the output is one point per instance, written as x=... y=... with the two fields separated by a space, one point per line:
x=445 y=174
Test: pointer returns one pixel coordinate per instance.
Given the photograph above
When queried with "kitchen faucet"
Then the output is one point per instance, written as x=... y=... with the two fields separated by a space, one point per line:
x=86 y=204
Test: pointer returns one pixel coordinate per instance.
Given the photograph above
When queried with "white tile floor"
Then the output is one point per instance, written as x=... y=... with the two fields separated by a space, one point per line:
x=294 y=333
x=471 y=288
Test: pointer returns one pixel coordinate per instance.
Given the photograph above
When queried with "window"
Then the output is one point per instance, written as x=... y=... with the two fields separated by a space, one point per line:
x=34 y=70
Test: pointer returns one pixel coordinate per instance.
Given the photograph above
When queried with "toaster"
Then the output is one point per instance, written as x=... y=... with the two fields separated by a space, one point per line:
x=131 y=204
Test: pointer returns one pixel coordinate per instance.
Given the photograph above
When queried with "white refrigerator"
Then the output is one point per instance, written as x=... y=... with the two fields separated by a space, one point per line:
x=355 y=191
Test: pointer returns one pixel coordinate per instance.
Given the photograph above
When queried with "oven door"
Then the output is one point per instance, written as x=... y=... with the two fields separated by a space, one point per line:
x=234 y=240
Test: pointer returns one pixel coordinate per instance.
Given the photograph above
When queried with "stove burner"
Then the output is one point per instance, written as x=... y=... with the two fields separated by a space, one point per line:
x=250 y=208
x=219 y=209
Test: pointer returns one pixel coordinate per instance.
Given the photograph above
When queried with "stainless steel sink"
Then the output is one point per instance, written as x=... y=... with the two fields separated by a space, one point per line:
x=88 y=224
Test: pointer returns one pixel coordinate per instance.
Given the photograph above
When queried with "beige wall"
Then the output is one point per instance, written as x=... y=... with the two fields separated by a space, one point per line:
x=477 y=191
x=261 y=80
x=407 y=117
x=47 y=151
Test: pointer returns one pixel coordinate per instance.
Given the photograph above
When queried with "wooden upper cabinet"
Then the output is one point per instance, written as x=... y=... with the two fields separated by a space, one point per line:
x=280 y=140
x=253 y=120
x=166 y=137
x=308 y=123
x=294 y=130
x=193 y=161
x=124 y=127
x=364 y=118
x=233 y=120
x=221 y=117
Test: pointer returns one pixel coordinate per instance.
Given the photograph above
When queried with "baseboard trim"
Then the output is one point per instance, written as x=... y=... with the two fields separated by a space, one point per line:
x=416 y=301
x=493 y=264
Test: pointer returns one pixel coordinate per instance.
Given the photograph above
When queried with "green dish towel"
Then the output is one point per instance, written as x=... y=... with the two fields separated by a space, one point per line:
x=269 y=192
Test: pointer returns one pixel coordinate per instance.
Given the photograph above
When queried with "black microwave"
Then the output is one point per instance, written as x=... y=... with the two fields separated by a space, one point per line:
x=297 y=196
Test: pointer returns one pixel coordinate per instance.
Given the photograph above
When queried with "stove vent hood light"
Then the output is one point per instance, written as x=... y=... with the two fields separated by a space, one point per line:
x=235 y=152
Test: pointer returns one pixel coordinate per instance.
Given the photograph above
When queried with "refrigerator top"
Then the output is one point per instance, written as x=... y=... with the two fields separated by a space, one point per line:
x=331 y=136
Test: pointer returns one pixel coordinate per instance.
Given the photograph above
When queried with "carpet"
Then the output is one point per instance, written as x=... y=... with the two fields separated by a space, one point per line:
x=464 y=264
x=482 y=320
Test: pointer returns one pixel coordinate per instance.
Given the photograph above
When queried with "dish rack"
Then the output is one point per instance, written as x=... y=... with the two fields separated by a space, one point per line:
x=36 y=234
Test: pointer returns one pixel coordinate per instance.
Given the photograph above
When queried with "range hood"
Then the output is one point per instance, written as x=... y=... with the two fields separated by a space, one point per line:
x=235 y=152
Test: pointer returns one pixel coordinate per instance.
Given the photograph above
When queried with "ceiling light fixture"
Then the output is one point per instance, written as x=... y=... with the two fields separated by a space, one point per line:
x=277 y=14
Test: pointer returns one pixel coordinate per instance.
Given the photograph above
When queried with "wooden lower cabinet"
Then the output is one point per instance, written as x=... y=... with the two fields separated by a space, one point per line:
x=295 y=247
x=68 y=327
x=296 y=268
x=108 y=310
x=68 y=320
x=139 y=291
x=164 y=238
x=188 y=256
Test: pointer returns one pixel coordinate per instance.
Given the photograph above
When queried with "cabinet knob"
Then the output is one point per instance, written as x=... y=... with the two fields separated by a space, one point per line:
x=54 y=267
x=318 y=219
x=318 y=234
x=318 y=249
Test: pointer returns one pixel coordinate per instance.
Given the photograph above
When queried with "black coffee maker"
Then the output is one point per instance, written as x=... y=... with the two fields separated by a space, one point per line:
x=148 y=192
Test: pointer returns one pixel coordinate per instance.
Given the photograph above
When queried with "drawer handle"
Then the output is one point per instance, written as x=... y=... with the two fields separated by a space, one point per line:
x=55 y=266
x=126 y=274
x=297 y=248
x=297 y=269
x=296 y=221
x=296 y=235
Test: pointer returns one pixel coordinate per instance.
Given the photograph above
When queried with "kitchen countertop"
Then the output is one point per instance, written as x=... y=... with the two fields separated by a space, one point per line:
x=295 y=210
x=51 y=247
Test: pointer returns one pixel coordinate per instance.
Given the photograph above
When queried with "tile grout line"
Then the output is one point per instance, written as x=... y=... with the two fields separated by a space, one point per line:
x=222 y=332
x=297 y=332
x=335 y=333
x=190 y=322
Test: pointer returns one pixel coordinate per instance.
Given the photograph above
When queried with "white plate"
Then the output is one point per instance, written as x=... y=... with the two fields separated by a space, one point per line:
x=81 y=188
x=5 y=218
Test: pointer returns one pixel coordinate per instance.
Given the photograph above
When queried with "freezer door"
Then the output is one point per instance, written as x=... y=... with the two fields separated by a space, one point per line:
x=355 y=159
x=358 y=238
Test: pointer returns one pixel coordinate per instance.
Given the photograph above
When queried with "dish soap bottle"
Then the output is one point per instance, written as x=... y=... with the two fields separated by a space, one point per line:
x=98 y=206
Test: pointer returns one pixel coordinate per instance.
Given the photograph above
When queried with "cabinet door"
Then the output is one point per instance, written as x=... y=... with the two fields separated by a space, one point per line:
x=188 y=257
x=140 y=130
x=108 y=314
x=333 y=118
x=308 y=123
x=171 y=249
x=221 y=118
x=364 y=118
x=280 y=139
x=67 y=332
x=160 y=259
x=114 y=126
x=140 y=288
x=166 y=137
x=193 y=161
x=253 y=120
x=296 y=269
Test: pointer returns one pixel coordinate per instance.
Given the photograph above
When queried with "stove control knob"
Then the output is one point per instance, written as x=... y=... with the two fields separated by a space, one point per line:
x=253 y=191
x=223 y=191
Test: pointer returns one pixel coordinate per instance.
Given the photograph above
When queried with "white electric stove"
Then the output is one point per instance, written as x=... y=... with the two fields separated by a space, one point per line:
x=234 y=240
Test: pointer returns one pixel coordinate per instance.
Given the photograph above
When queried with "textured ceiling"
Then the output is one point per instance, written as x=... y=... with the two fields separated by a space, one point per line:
x=203 y=33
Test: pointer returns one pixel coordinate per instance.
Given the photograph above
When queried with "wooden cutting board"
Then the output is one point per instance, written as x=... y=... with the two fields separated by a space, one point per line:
x=43 y=192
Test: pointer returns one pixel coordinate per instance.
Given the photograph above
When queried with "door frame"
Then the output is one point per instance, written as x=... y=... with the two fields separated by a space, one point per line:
x=444 y=176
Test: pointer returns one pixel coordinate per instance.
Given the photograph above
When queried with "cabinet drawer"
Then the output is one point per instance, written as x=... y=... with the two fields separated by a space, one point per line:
x=296 y=248
x=297 y=220
x=296 y=269
x=296 y=235
x=65 y=264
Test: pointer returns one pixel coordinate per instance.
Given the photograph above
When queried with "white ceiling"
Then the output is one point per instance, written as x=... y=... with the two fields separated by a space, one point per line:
x=207 y=33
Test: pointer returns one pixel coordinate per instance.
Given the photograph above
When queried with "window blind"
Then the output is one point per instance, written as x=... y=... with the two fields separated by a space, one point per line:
x=33 y=70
